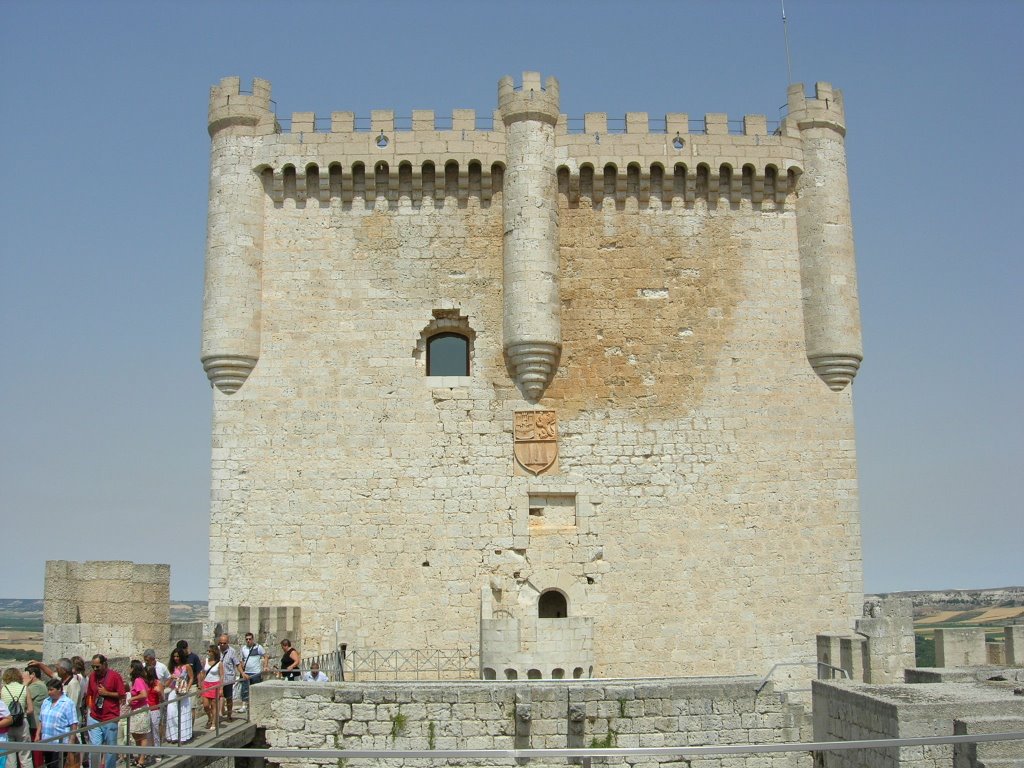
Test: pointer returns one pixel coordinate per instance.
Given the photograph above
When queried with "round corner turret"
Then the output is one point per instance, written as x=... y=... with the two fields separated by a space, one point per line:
x=828 y=272
x=531 y=101
x=237 y=111
x=824 y=110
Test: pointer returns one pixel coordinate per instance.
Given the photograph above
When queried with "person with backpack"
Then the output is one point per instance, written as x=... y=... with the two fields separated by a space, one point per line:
x=5 y=725
x=14 y=694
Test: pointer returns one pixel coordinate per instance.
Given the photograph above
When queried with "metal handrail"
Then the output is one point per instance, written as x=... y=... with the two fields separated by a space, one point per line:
x=844 y=675
x=421 y=665
x=775 y=666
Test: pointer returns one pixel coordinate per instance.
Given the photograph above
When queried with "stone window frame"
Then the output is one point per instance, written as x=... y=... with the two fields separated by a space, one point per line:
x=448 y=320
x=448 y=335
x=553 y=591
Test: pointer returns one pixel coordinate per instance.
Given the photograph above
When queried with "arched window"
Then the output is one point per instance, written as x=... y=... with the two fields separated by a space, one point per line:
x=445 y=346
x=489 y=673
x=448 y=355
x=552 y=605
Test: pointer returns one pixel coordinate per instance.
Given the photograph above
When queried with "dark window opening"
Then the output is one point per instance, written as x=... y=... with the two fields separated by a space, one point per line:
x=448 y=355
x=552 y=605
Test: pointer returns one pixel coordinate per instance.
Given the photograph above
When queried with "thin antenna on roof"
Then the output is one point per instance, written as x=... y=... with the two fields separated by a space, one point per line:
x=785 y=32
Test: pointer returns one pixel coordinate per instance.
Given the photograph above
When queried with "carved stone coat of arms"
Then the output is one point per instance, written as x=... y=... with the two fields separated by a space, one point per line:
x=535 y=436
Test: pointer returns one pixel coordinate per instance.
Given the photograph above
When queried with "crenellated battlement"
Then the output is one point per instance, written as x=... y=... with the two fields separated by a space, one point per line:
x=233 y=109
x=530 y=101
x=462 y=121
x=825 y=110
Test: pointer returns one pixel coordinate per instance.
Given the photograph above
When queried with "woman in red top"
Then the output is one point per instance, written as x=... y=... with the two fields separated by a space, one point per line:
x=139 y=724
x=213 y=682
x=154 y=697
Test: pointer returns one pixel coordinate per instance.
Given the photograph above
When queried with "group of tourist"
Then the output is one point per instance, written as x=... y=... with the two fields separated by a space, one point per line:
x=42 y=702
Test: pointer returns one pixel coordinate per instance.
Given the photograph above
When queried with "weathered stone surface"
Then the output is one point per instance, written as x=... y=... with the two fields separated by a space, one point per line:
x=557 y=718
x=702 y=515
x=113 y=607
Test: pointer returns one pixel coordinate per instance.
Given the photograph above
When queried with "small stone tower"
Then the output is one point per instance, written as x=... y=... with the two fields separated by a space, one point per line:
x=827 y=268
x=532 y=328
x=234 y=234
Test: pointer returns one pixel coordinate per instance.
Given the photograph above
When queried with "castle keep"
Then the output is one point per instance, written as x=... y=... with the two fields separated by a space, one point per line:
x=575 y=401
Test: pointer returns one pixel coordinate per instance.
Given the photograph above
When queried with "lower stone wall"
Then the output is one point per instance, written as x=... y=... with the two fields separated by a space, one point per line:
x=518 y=715
x=856 y=711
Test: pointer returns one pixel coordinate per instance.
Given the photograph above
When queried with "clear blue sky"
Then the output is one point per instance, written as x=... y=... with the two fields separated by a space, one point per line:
x=104 y=408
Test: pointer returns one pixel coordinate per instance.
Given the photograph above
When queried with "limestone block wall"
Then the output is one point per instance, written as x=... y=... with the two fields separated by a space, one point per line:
x=859 y=711
x=198 y=635
x=991 y=753
x=268 y=624
x=960 y=647
x=1013 y=639
x=880 y=652
x=560 y=648
x=114 y=607
x=706 y=474
x=502 y=715
x=889 y=627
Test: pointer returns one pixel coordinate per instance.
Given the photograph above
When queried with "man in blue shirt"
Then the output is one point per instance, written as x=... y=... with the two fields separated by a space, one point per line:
x=253 y=665
x=56 y=716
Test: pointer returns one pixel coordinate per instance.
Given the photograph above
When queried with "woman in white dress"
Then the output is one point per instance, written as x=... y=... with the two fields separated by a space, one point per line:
x=179 y=706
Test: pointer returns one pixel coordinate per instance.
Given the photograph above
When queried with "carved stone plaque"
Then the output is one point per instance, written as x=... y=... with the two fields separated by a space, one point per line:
x=535 y=436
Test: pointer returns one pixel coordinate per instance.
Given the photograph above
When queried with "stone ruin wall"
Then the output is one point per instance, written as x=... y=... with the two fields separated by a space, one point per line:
x=711 y=523
x=878 y=650
x=852 y=711
x=501 y=715
x=114 y=607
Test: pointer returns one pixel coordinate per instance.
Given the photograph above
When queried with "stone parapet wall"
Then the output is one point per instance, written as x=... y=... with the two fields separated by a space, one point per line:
x=1013 y=639
x=114 y=607
x=880 y=651
x=268 y=624
x=991 y=753
x=858 y=711
x=960 y=647
x=505 y=715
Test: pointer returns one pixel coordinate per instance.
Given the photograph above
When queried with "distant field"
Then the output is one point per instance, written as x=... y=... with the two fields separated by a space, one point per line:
x=938 y=618
x=21 y=627
x=1000 y=614
x=992 y=620
x=19 y=640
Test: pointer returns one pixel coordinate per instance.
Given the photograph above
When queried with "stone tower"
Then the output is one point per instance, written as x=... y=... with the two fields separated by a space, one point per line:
x=575 y=402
